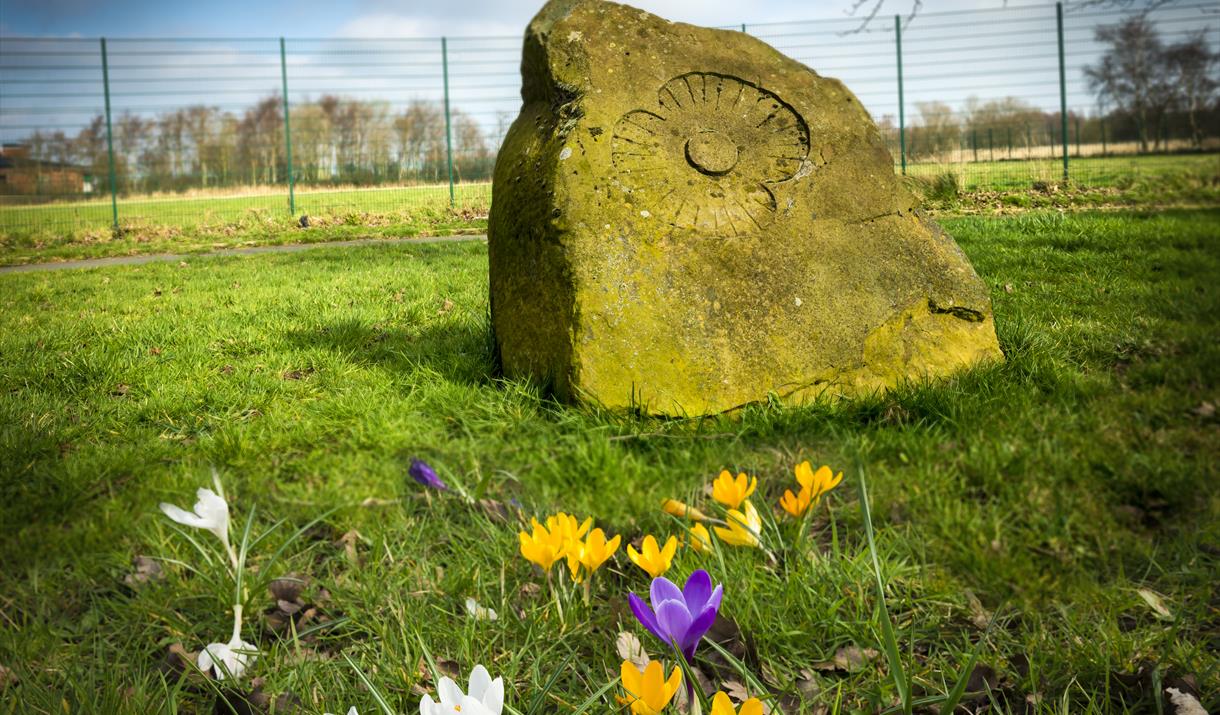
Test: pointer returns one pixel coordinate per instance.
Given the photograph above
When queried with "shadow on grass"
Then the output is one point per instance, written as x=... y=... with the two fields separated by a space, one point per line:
x=457 y=351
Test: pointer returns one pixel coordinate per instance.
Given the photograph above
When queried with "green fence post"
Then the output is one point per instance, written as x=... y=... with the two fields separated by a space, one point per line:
x=448 y=122
x=114 y=199
x=292 y=202
x=1063 y=97
x=902 y=122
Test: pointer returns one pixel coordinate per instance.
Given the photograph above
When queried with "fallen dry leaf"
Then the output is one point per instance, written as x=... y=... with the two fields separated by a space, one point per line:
x=445 y=307
x=7 y=678
x=1184 y=703
x=1156 y=603
x=630 y=648
x=1205 y=410
x=849 y=659
x=120 y=390
x=147 y=569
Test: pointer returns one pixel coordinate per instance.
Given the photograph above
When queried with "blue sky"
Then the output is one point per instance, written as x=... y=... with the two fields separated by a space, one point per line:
x=373 y=18
x=997 y=50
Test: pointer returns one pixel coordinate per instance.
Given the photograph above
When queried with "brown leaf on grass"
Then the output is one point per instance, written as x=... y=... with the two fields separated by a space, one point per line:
x=7 y=678
x=494 y=510
x=1184 y=703
x=448 y=668
x=979 y=617
x=154 y=351
x=297 y=374
x=445 y=307
x=630 y=648
x=288 y=588
x=1008 y=288
x=1156 y=603
x=848 y=659
x=808 y=684
x=146 y=569
x=226 y=370
x=178 y=660
x=120 y=390
x=1205 y=410
x=350 y=541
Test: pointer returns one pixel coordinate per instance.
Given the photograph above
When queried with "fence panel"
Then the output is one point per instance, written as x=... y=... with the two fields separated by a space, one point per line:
x=216 y=131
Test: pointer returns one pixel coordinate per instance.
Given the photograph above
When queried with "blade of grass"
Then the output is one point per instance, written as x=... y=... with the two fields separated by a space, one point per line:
x=888 y=642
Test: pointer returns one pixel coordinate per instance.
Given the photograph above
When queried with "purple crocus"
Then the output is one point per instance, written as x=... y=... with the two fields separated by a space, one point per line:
x=423 y=473
x=680 y=617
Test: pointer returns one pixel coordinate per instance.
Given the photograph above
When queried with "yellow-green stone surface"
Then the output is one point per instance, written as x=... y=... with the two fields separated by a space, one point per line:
x=686 y=221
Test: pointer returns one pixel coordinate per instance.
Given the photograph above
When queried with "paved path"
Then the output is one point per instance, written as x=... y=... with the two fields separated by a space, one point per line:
x=164 y=257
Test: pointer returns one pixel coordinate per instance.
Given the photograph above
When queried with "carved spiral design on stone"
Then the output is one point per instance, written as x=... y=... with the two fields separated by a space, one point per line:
x=705 y=158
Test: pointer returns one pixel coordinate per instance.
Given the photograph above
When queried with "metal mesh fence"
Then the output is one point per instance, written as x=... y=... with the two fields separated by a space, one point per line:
x=213 y=131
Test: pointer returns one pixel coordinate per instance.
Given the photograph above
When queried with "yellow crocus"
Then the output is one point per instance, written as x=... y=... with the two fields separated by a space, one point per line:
x=654 y=559
x=648 y=691
x=744 y=527
x=700 y=540
x=721 y=705
x=817 y=483
x=567 y=526
x=796 y=504
x=543 y=547
x=732 y=492
x=682 y=510
x=591 y=553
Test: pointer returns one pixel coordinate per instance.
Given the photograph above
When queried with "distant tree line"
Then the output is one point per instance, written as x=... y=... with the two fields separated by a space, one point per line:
x=1148 y=93
x=335 y=140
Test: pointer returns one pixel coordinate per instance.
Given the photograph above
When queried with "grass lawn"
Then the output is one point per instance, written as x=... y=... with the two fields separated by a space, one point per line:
x=1039 y=495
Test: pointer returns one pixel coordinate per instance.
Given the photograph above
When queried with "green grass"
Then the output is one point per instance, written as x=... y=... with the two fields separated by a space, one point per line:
x=213 y=209
x=1050 y=487
x=1095 y=172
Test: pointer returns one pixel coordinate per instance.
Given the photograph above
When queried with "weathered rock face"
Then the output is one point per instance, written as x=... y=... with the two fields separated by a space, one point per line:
x=686 y=221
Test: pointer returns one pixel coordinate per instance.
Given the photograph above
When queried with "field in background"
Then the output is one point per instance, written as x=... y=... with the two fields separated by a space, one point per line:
x=201 y=208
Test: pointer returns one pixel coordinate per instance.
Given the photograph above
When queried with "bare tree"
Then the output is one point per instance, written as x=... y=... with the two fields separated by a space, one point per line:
x=1190 y=66
x=1131 y=74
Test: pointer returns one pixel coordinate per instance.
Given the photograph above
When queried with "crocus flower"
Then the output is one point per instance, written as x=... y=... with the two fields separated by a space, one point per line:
x=424 y=474
x=700 y=540
x=732 y=492
x=818 y=483
x=648 y=691
x=211 y=513
x=654 y=559
x=351 y=711
x=721 y=705
x=543 y=547
x=679 y=617
x=484 y=697
x=681 y=510
x=796 y=504
x=744 y=527
x=567 y=527
x=591 y=553
x=480 y=613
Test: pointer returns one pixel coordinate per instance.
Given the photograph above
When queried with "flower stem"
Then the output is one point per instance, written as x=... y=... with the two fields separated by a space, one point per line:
x=236 y=623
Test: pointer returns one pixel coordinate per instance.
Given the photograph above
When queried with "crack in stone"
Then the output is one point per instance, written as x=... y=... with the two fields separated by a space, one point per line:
x=957 y=311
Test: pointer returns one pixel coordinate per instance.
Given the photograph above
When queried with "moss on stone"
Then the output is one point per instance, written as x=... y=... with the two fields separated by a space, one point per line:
x=687 y=221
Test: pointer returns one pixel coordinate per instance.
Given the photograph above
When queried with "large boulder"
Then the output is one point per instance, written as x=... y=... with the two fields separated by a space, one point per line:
x=686 y=221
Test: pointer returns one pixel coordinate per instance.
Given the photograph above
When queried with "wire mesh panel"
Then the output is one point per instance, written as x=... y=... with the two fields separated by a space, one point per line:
x=53 y=166
x=217 y=131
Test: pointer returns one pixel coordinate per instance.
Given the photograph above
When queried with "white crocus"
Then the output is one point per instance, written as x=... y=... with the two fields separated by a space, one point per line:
x=350 y=711
x=480 y=613
x=484 y=697
x=211 y=513
x=228 y=659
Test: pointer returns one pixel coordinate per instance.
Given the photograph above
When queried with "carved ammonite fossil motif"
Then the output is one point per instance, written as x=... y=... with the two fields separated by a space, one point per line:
x=705 y=158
